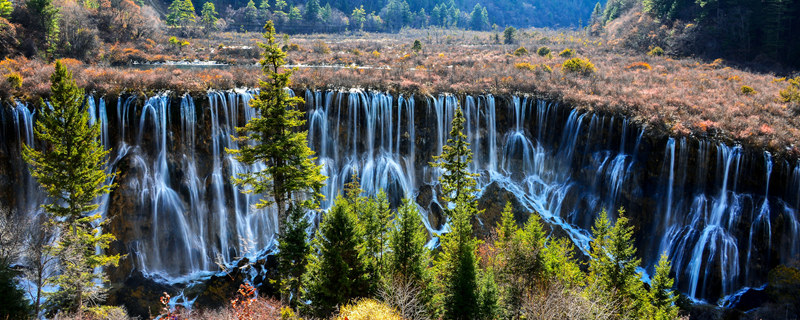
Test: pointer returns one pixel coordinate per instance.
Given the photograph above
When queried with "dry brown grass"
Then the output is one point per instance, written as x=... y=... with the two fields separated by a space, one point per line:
x=674 y=96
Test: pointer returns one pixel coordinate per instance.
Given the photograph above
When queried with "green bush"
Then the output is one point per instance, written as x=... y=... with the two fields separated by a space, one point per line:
x=417 y=47
x=543 y=51
x=748 y=90
x=578 y=65
x=521 y=51
x=656 y=52
x=792 y=92
x=567 y=53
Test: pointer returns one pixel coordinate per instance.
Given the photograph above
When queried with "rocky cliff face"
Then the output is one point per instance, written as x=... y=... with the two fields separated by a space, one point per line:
x=725 y=215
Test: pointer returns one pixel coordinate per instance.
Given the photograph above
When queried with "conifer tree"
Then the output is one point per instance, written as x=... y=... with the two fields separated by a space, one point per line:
x=509 y=35
x=72 y=171
x=597 y=13
x=276 y=139
x=479 y=18
x=374 y=219
x=612 y=269
x=180 y=13
x=358 y=17
x=312 y=11
x=457 y=265
x=662 y=297
x=335 y=273
x=488 y=307
x=251 y=12
x=507 y=228
x=456 y=180
x=294 y=249
x=209 y=16
x=408 y=258
x=47 y=15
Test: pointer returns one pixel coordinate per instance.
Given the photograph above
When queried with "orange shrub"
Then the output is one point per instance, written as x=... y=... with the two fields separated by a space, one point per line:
x=639 y=66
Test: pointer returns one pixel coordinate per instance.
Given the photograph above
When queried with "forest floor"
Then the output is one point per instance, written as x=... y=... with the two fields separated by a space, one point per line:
x=681 y=96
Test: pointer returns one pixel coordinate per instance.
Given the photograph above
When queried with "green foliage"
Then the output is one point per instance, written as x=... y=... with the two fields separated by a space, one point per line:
x=456 y=180
x=784 y=283
x=409 y=258
x=578 y=65
x=488 y=307
x=358 y=17
x=72 y=171
x=312 y=11
x=615 y=8
x=209 y=16
x=294 y=249
x=509 y=35
x=396 y=14
x=277 y=139
x=792 y=91
x=661 y=295
x=374 y=224
x=417 y=47
x=656 y=52
x=457 y=265
x=6 y=7
x=251 y=12
x=294 y=14
x=445 y=14
x=521 y=51
x=597 y=14
x=566 y=53
x=543 y=51
x=748 y=90
x=180 y=13
x=479 y=18
x=47 y=17
x=612 y=269
x=664 y=9
x=507 y=228
x=335 y=273
x=264 y=6
x=13 y=303
x=560 y=263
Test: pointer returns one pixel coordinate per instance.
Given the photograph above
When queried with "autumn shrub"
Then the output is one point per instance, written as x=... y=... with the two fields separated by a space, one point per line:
x=578 y=65
x=639 y=66
x=567 y=53
x=524 y=66
x=521 y=51
x=14 y=79
x=656 y=52
x=748 y=90
x=543 y=51
x=368 y=309
x=792 y=91
x=320 y=47
x=543 y=68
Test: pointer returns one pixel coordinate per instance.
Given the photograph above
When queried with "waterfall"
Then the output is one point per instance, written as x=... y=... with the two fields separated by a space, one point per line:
x=722 y=228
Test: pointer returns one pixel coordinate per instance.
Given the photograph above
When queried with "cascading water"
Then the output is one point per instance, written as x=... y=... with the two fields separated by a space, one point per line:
x=180 y=216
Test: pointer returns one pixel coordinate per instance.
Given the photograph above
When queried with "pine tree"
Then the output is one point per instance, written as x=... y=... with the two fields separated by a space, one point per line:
x=479 y=18
x=597 y=13
x=456 y=180
x=294 y=249
x=180 y=13
x=251 y=12
x=335 y=273
x=488 y=307
x=612 y=269
x=509 y=35
x=209 y=16
x=374 y=218
x=457 y=265
x=408 y=258
x=72 y=171
x=312 y=11
x=661 y=295
x=507 y=228
x=263 y=6
x=276 y=139
x=358 y=17
x=47 y=18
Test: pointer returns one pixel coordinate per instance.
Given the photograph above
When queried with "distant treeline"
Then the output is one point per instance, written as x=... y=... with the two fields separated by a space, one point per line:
x=388 y=15
x=743 y=30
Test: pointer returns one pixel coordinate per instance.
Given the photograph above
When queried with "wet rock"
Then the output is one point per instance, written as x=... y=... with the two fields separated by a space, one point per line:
x=493 y=202
x=140 y=295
